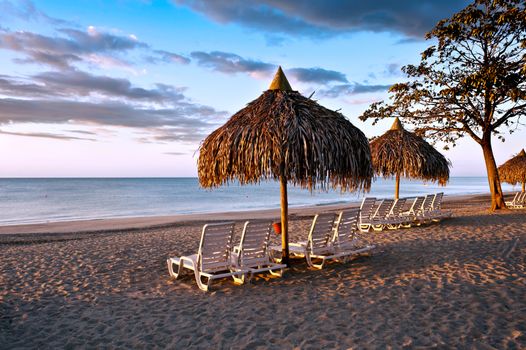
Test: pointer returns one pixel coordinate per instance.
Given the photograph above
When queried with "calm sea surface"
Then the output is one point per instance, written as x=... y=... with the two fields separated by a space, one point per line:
x=59 y=199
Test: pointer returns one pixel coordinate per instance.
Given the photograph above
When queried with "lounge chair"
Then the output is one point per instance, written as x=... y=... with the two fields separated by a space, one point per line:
x=515 y=200
x=252 y=252
x=395 y=219
x=518 y=202
x=437 y=211
x=318 y=244
x=427 y=212
x=380 y=218
x=414 y=216
x=212 y=260
x=345 y=241
x=367 y=210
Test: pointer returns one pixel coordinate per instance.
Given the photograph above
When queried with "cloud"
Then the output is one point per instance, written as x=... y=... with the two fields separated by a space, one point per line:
x=76 y=84
x=82 y=132
x=108 y=113
x=183 y=122
x=230 y=63
x=175 y=153
x=45 y=135
x=317 y=75
x=74 y=46
x=352 y=89
x=317 y=19
x=393 y=69
x=85 y=84
x=163 y=112
x=26 y=10
x=168 y=57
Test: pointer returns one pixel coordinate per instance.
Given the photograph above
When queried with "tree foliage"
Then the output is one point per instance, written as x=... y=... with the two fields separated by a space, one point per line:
x=472 y=81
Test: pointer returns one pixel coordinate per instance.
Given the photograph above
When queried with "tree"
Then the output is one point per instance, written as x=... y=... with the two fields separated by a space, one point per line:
x=471 y=82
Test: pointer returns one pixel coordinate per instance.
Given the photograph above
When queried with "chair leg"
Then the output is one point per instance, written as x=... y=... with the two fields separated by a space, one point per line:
x=318 y=266
x=312 y=264
x=309 y=261
x=200 y=284
x=171 y=269
x=378 y=228
x=279 y=273
x=243 y=278
x=365 y=228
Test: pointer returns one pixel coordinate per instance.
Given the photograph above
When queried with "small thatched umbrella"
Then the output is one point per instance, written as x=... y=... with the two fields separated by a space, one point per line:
x=399 y=152
x=514 y=170
x=284 y=135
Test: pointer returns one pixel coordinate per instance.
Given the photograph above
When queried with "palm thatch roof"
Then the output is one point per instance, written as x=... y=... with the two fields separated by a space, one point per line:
x=282 y=133
x=400 y=152
x=514 y=170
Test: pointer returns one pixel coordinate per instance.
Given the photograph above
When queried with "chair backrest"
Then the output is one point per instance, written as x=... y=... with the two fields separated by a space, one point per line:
x=437 y=201
x=367 y=207
x=345 y=231
x=416 y=207
x=215 y=247
x=522 y=198
x=254 y=243
x=384 y=208
x=398 y=207
x=320 y=233
x=427 y=205
x=517 y=197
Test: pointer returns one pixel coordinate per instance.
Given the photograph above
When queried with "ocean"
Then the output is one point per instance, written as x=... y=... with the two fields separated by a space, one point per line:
x=39 y=200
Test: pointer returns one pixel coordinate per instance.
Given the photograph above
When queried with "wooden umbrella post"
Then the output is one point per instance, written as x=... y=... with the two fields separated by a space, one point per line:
x=397 y=186
x=284 y=217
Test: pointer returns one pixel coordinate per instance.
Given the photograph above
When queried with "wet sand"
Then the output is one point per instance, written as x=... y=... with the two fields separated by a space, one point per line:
x=460 y=283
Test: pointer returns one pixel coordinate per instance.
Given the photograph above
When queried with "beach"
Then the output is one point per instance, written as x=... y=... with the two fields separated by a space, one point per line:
x=460 y=283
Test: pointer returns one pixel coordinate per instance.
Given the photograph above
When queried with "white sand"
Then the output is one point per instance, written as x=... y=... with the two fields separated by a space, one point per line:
x=457 y=284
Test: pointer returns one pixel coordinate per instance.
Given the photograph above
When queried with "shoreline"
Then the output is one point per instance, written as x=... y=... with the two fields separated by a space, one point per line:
x=148 y=222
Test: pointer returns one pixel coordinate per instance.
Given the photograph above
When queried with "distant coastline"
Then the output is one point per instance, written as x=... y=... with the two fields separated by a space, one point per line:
x=42 y=200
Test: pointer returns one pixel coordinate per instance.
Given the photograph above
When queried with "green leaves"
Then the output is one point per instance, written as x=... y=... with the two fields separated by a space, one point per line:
x=472 y=82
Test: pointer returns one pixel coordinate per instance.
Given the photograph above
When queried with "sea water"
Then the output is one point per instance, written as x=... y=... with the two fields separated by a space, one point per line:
x=39 y=200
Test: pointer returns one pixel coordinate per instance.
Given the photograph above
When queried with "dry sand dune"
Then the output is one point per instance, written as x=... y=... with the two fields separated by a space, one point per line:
x=457 y=284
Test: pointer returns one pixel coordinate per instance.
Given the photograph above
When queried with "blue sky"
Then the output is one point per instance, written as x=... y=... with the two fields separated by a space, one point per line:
x=130 y=87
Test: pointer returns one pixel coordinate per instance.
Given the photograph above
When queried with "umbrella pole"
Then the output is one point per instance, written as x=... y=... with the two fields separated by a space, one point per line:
x=397 y=186
x=284 y=218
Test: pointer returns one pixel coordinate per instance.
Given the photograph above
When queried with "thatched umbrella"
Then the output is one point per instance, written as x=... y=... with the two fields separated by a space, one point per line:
x=285 y=136
x=399 y=152
x=514 y=170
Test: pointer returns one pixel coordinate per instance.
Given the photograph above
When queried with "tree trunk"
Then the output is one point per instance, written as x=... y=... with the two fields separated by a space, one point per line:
x=397 y=186
x=284 y=218
x=523 y=189
x=497 y=198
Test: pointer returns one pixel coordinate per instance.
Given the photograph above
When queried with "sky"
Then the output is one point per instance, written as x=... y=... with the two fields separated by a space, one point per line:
x=129 y=88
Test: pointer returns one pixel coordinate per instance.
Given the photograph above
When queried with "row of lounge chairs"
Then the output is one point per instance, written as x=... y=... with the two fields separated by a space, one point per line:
x=394 y=214
x=331 y=236
x=518 y=202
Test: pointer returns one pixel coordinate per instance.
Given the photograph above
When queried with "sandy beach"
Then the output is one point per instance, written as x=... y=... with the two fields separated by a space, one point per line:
x=457 y=284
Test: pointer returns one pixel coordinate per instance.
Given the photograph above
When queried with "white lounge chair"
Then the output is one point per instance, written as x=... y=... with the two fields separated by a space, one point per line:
x=212 y=260
x=394 y=219
x=427 y=213
x=345 y=241
x=414 y=216
x=367 y=210
x=380 y=218
x=518 y=202
x=514 y=201
x=318 y=244
x=437 y=211
x=252 y=252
